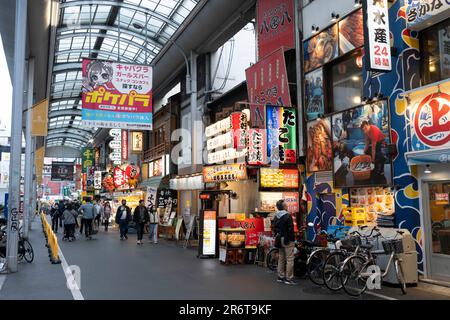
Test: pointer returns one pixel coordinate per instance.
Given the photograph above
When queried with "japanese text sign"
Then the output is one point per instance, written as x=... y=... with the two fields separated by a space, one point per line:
x=97 y=180
x=150 y=201
x=124 y=145
x=281 y=134
x=279 y=178
x=276 y=27
x=267 y=81
x=257 y=147
x=137 y=141
x=377 y=35
x=87 y=155
x=421 y=13
x=228 y=172
x=117 y=95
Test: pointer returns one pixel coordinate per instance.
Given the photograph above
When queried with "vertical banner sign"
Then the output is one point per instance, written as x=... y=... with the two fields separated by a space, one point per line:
x=39 y=116
x=377 y=35
x=151 y=198
x=281 y=134
x=97 y=180
x=84 y=182
x=96 y=157
x=276 y=27
x=124 y=145
x=257 y=147
x=117 y=95
x=87 y=155
x=267 y=81
x=137 y=141
x=116 y=146
x=90 y=175
x=239 y=129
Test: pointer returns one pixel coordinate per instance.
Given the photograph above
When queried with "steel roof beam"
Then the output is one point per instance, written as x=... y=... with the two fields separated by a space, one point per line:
x=63 y=113
x=58 y=53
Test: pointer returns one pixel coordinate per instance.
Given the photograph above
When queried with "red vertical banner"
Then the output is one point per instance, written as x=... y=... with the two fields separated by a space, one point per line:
x=84 y=178
x=276 y=27
x=239 y=129
x=124 y=145
x=267 y=81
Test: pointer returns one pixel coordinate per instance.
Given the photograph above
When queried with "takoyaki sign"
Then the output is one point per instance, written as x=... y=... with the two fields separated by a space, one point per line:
x=117 y=95
x=430 y=118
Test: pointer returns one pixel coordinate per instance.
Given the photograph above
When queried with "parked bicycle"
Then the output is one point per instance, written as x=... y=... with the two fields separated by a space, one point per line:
x=25 y=250
x=357 y=269
x=348 y=247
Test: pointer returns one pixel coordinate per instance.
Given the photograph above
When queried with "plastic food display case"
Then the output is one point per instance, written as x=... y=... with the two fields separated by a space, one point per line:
x=232 y=245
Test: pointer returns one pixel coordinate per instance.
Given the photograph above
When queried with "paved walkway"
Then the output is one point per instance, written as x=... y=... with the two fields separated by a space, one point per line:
x=114 y=269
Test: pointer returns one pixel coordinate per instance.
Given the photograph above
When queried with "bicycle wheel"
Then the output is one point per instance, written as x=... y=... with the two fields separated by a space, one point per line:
x=272 y=259
x=353 y=274
x=28 y=253
x=400 y=277
x=314 y=266
x=332 y=270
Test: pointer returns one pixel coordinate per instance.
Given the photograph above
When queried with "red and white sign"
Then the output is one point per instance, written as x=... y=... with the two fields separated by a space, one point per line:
x=257 y=147
x=253 y=229
x=377 y=32
x=124 y=145
x=276 y=27
x=120 y=177
x=441 y=197
x=267 y=81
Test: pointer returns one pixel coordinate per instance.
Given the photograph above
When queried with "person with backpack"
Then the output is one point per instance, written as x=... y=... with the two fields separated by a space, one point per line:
x=123 y=217
x=88 y=212
x=54 y=214
x=140 y=217
x=283 y=229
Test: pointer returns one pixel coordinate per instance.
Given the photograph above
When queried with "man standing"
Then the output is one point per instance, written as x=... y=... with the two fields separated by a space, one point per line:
x=283 y=228
x=123 y=217
x=98 y=212
x=140 y=217
x=153 y=226
x=88 y=212
x=374 y=141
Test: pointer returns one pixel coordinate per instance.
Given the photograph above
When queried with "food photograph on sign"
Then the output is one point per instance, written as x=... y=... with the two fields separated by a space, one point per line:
x=319 y=152
x=321 y=48
x=268 y=201
x=116 y=95
x=351 y=32
x=379 y=203
x=279 y=178
x=361 y=141
x=314 y=94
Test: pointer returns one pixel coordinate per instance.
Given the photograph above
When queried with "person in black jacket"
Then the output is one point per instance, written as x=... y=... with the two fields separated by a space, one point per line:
x=140 y=217
x=283 y=227
x=123 y=217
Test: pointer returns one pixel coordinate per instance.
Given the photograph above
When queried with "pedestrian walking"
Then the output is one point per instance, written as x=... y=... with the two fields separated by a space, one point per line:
x=54 y=214
x=140 y=217
x=123 y=217
x=153 y=225
x=61 y=208
x=283 y=228
x=88 y=212
x=106 y=214
x=98 y=212
x=69 y=217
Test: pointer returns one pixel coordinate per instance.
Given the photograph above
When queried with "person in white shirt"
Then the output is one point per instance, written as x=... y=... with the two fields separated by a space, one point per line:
x=123 y=217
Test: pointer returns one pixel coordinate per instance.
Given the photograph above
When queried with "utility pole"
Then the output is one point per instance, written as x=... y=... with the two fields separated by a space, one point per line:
x=28 y=150
x=16 y=135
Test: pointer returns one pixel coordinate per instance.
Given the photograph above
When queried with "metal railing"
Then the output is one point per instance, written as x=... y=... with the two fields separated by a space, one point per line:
x=157 y=151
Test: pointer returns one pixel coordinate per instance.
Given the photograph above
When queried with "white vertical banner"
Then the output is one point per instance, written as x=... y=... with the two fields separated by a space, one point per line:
x=97 y=180
x=150 y=200
x=377 y=35
x=116 y=146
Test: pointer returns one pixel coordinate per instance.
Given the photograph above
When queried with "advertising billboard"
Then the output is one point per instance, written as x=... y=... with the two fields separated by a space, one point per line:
x=62 y=171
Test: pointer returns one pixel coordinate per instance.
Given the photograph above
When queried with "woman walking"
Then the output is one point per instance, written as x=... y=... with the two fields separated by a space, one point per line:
x=106 y=214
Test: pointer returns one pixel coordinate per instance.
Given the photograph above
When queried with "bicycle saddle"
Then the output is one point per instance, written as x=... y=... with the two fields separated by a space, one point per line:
x=366 y=246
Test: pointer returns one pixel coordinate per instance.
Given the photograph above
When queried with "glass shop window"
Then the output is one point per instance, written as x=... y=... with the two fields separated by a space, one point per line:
x=435 y=48
x=344 y=82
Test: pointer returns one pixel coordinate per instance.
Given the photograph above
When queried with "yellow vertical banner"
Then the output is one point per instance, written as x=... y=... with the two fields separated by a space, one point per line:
x=39 y=119
x=39 y=163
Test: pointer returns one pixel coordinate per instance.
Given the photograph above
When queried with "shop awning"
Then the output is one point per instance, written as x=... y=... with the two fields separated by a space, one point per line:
x=425 y=157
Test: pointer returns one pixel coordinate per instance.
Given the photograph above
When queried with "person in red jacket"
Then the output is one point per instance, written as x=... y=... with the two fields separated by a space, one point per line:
x=374 y=140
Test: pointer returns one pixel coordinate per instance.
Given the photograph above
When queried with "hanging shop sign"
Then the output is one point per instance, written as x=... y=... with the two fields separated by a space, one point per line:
x=97 y=180
x=126 y=177
x=209 y=233
x=377 y=35
x=279 y=178
x=137 y=141
x=150 y=200
x=224 y=140
x=356 y=163
x=117 y=95
x=228 y=172
x=267 y=81
x=258 y=116
x=187 y=183
x=276 y=27
x=218 y=127
x=108 y=181
x=430 y=117
x=124 y=145
x=281 y=134
x=90 y=176
x=225 y=155
x=62 y=171
x=423 y=13
x=166 y=197
x=87 y=156
x=39 y=119
x=116 y=146
x=319 y=155
x=257 y=147
x=96 y=156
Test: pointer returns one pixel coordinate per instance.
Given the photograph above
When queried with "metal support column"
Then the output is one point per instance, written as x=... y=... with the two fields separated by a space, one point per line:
x=16 y=135
x=195 y=130
x=28 y=209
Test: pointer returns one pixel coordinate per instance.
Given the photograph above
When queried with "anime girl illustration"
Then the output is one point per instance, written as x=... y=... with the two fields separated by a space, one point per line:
x=98 y=73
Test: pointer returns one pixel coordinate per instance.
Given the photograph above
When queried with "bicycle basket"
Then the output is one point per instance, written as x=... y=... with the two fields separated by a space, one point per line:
x=390 y=246
x=351 y=242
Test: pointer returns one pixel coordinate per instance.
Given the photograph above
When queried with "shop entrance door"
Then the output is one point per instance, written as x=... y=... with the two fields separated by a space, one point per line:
x=437 y=229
